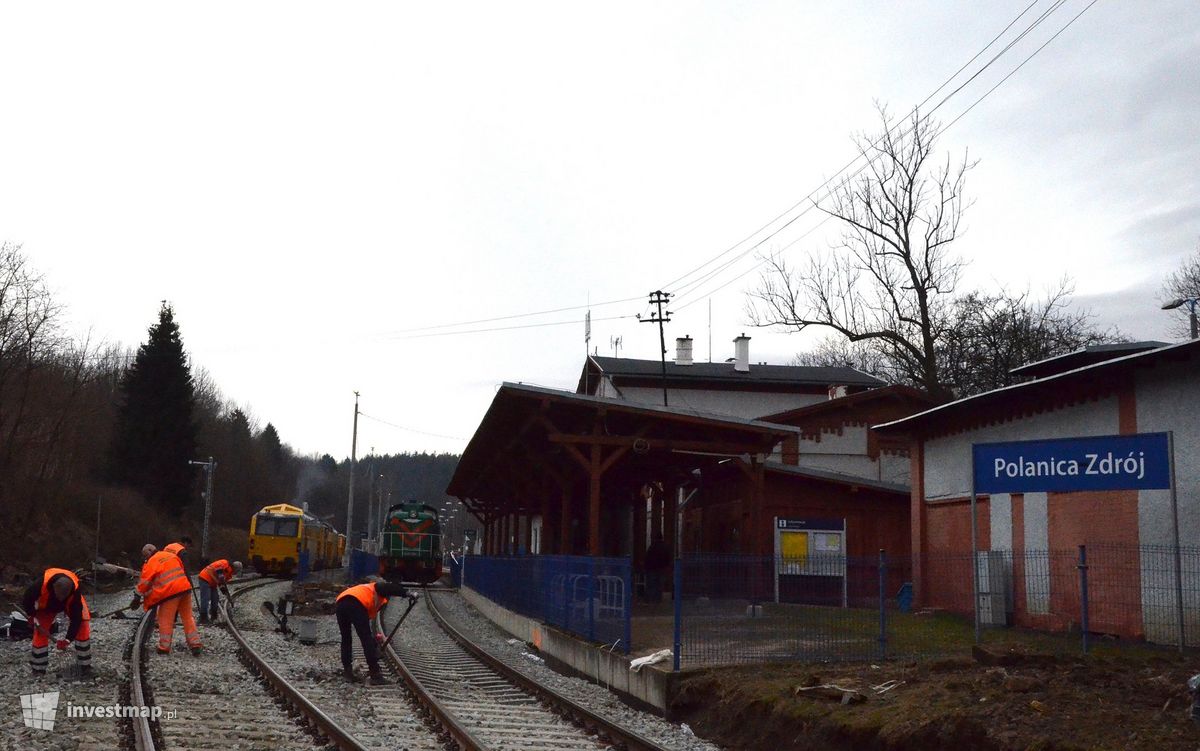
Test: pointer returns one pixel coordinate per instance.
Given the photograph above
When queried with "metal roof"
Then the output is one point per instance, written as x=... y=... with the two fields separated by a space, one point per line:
x=1057 y=382
x=1088 y=355
x=623 y=406
x=724 y=372
x=838 y=477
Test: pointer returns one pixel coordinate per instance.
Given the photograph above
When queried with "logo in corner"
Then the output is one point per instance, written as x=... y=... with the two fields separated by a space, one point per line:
x=38 y=710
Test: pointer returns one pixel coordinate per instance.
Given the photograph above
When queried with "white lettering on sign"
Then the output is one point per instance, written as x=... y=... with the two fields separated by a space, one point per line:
x=1102 y=465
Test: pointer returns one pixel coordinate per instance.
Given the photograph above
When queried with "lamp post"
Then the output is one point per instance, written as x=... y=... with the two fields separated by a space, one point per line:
x=209 y=467
x=1190 y=302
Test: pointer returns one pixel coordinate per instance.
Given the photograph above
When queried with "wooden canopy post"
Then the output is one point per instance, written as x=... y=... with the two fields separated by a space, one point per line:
x=639 y=529
x=594 y=499
x=656 y=520
x=669 y=517
x=564 y=524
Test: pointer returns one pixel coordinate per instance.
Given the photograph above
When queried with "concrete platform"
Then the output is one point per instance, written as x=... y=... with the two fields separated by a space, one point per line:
x=650 y=688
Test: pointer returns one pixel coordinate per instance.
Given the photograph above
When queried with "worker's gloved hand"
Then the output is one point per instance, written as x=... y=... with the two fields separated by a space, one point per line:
x=62 y=644
x=379 y=638
x=137 y=600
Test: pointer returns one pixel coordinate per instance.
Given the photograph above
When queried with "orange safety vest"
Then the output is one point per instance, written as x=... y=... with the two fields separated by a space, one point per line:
x=209 y=574
x=43 y=600
x=162 y=577
x=366 y=594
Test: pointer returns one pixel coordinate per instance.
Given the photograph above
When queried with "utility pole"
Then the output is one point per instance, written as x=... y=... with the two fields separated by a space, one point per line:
x=350 y=503
x=210 y=466
x=659 y=298
x=371 y=497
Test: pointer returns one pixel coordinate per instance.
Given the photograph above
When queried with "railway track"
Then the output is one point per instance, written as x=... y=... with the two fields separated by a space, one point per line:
x=216 y=702
x=481 y=703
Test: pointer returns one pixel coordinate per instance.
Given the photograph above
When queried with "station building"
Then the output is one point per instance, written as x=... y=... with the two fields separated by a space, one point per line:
x=1027 y=540
x=601 y=471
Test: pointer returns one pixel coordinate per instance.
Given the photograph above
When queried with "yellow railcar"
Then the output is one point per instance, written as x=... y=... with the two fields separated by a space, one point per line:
x=276 y=538
x=281 y=532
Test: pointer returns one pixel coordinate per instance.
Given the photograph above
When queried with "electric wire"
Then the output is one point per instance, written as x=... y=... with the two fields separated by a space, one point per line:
x=695 y=284
x=410 y=430
x=574 y=322
x=944 y=128
x=516 y=315
x=848 y=165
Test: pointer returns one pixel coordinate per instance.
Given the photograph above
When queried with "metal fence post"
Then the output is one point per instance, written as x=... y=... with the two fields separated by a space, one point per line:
x=628 y=605
x=1083 y=594
x=882 y=604
x=592 y=601
x=677 y=595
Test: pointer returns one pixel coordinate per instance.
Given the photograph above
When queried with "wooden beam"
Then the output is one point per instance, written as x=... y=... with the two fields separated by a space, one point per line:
x=594 y=474
x=568 y=440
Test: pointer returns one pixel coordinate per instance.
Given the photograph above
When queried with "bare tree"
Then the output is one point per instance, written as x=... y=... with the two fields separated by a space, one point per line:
x=992 y=334
x=891 y=280
x=1183 y=284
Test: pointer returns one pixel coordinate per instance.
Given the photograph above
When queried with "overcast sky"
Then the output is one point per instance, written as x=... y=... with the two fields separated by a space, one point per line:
x=307 y=183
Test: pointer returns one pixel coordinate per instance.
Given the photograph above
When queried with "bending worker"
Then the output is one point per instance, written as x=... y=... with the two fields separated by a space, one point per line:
x=164 y=584
x=57 y=593
x=213 y=579
x=357 y=606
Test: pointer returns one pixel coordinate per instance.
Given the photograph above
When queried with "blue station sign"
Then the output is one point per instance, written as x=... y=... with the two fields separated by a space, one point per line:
x=1115 y=462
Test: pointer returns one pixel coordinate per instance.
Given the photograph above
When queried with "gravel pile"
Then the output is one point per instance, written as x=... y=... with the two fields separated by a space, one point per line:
x=513 y=652
x=213 y=701
x=70 y=733
x=380 y=717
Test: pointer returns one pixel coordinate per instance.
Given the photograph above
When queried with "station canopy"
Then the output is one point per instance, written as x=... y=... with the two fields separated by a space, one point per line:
x=572 y=458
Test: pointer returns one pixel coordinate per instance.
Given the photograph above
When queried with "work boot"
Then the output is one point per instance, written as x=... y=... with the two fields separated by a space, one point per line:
x=348 y=674
x=86 y=672
x=162 y=651
x=203 y=620
x=196 y=651
x=376 y=679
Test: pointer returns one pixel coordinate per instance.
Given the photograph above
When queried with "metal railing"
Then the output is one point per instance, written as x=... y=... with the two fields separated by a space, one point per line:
x=738 y=609
x=589 y=597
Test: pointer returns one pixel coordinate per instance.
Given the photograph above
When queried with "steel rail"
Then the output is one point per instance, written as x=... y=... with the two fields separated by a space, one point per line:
x=322 y=723
x=143 y=732
x=143 y=738
x=620 y=736
x=458 y=733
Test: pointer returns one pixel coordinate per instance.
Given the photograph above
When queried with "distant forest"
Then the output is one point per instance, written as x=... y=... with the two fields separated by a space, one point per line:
x=324 y=484
x=97 y=444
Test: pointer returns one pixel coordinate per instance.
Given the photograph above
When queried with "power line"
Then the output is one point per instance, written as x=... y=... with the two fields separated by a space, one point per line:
x=697 y=282
x=515 y=315
x=507 y=328
x=411 y=430
x=695 y=285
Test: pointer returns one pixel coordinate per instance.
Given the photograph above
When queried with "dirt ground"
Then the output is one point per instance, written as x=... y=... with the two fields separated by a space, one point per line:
x=1003 y=698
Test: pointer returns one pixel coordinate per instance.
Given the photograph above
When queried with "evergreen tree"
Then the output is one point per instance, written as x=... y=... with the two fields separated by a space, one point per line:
x=155 y=433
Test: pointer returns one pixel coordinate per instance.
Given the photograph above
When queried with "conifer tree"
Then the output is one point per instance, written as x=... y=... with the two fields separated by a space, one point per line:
x=155 y=434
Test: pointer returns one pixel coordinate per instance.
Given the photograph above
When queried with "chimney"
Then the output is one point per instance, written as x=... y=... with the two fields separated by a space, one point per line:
x=741 y=354
x=683 y=350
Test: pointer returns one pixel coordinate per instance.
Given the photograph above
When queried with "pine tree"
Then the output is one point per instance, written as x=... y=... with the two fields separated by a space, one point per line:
x=155 y=434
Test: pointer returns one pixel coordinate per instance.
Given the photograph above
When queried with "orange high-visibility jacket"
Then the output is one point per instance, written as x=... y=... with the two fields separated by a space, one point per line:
x=162 y=577
x=366 y=594
x=211 y=571
x=43 y=600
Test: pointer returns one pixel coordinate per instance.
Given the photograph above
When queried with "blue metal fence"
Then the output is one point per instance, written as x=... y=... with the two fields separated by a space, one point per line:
x=303 y=567
x=361 y=564
x=589 y=597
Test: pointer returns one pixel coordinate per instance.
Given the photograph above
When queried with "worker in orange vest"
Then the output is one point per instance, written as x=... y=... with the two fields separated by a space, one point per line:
x=164 y=584
x=213 y=579
x=58 y=592
x=356 y=607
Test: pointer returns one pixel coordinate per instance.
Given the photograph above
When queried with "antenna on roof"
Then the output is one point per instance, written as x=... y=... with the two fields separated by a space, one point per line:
x=615 y=343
